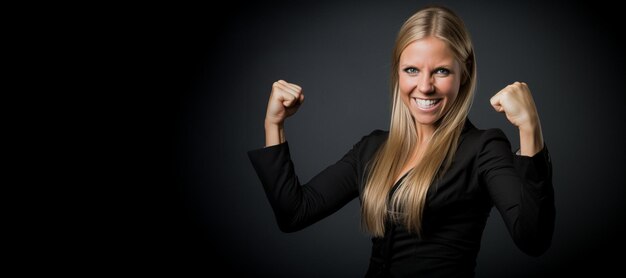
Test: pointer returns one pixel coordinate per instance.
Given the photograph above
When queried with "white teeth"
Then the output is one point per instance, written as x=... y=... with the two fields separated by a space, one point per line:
x=426 y=103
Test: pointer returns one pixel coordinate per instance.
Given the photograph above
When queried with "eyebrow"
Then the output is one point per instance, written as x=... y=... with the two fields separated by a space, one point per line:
x=440 y=66
x=437 y=67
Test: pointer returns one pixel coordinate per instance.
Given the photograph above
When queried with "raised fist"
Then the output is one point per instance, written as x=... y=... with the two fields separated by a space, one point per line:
x=284 y=101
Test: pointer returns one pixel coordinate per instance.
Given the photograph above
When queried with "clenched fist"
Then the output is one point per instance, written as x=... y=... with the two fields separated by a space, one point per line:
x=516 y=102
x=284 y=101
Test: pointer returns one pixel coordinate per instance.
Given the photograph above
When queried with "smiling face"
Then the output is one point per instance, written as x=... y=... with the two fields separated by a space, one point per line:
x=429 y=79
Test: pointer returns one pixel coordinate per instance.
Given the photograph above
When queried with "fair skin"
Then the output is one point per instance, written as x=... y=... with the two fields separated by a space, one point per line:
x=284 y=101
x=429 y=82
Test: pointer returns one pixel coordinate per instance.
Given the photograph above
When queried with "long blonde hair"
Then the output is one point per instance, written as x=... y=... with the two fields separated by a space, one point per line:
x=406 y=205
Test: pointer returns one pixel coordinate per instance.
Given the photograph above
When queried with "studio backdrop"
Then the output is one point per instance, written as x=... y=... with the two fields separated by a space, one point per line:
x=213 y=214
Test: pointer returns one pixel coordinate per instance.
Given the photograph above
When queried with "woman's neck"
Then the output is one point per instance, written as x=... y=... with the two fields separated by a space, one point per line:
x=424 y=133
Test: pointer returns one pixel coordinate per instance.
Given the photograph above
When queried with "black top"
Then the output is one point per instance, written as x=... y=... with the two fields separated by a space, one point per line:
x=483 y=173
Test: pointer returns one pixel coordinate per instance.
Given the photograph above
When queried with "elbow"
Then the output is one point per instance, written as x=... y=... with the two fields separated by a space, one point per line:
x=290 y=218
x=288 y=228
x=537 y=241
x=289 y=225
x=536 y=250
x=536 y=245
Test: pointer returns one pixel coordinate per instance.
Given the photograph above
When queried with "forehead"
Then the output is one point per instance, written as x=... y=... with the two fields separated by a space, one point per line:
x=427 y=50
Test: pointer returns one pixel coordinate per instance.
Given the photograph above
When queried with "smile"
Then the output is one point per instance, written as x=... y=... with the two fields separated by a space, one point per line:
x=426 y=104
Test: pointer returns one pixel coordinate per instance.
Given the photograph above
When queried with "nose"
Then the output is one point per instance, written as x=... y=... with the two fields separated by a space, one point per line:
x=425 y=85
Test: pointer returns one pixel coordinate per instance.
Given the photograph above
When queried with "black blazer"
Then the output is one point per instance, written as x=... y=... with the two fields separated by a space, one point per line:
x=484 y=173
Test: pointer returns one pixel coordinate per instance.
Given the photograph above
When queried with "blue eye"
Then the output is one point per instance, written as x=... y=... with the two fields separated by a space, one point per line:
x=411 y=71
x=442 y=71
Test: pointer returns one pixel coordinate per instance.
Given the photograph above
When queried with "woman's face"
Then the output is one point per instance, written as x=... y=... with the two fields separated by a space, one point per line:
x=430 y=78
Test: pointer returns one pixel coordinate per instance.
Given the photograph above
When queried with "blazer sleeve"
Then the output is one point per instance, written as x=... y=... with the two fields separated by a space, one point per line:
x=521 y=189
x=297 y=205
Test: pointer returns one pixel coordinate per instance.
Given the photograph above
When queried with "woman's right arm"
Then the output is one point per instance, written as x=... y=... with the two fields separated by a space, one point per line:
x=297 y=205
x=284 y=101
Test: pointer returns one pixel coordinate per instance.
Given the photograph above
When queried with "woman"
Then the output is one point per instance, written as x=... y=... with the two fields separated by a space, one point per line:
x=428 y=184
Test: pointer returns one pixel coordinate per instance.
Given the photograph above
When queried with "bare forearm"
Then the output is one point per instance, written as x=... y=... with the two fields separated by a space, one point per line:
x=531 y=139
x=274 y=134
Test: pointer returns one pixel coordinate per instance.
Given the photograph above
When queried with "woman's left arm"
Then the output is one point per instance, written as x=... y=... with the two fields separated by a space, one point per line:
x=520 y=185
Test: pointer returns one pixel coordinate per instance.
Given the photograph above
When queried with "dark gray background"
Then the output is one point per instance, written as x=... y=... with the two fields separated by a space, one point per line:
x=202 y=208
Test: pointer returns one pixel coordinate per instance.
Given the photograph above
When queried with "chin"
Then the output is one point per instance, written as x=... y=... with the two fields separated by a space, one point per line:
x=428 y=120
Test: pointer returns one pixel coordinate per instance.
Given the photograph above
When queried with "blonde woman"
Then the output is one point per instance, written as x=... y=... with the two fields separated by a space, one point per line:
x=427 y=185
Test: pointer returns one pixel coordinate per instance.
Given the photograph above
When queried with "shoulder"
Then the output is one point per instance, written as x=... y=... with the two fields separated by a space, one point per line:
x=377 y=134
x=480 y=138
x=375 y=137
x=370 y=143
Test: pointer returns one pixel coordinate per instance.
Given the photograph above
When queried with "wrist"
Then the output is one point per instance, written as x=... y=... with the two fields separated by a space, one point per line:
x=274 y=133
x=530 y=126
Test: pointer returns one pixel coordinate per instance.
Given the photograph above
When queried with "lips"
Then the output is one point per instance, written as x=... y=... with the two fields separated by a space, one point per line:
x=426 y=104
